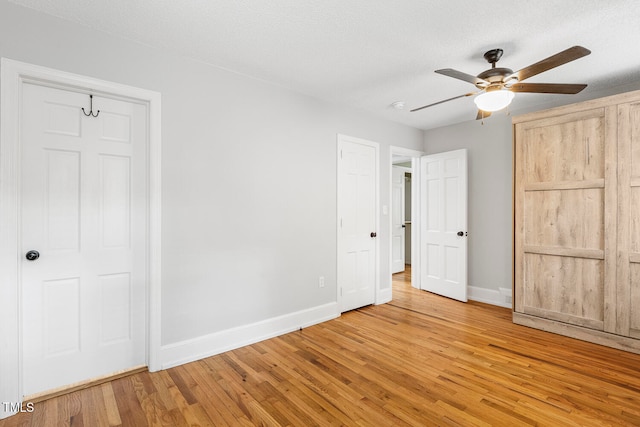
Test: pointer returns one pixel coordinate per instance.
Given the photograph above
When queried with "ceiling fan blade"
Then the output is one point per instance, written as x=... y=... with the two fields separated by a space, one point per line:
x=569 y=89
x=443 y=101
x=463 y=76
x=553 y=61
x=482 y=114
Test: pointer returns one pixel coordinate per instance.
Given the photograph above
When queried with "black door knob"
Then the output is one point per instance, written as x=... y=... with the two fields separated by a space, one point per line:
x=32 y=255
x=374 y=234
x=460 y=233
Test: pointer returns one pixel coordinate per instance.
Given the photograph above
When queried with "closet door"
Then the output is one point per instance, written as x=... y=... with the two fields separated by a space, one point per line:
x=563 y=255
x=628 y=283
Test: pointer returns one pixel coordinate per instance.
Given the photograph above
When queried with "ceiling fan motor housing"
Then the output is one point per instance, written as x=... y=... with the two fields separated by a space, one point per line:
x=494 y=75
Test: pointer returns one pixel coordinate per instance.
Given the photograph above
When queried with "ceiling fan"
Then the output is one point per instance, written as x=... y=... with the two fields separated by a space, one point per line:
x=497 y=85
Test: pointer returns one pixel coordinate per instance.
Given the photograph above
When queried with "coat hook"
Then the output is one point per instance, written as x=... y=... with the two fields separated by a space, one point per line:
x=90 y=113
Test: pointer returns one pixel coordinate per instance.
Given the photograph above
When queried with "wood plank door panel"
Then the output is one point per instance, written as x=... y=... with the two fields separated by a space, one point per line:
x=563 y=257
x=628 y=283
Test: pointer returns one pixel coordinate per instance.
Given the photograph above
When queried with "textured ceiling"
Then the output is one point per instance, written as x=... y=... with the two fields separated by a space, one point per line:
x=368 y=54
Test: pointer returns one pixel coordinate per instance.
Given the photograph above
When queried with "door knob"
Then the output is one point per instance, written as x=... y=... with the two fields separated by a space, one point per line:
x=460 y=233
x=374 y=234
x=32 y=255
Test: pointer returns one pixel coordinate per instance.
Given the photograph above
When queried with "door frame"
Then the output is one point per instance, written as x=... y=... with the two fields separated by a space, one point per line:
x=13 y=75
x=415 y=156
x=339 y=141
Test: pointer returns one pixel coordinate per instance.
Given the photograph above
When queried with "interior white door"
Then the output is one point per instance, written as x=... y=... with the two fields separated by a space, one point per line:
x=397 y=219
x=357 y=222
x=83 y=210
x=444 y=224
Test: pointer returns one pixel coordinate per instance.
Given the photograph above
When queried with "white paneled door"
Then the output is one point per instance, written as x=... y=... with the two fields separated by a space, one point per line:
x=83 y=233
x=397 y=219
x=357 y=222
x=444 y=224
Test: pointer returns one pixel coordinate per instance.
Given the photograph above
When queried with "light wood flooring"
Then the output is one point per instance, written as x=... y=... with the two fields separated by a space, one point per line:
x=420 y=360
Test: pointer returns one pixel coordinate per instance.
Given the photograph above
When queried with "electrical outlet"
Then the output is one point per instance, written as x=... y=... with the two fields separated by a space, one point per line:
x=321 y=282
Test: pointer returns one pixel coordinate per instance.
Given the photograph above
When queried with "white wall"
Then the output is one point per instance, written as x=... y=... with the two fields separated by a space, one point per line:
x=249 y=178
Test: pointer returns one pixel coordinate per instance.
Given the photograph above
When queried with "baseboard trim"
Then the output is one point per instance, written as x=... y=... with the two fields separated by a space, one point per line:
x=219 y=342
x=384 y=296
x=501 y=297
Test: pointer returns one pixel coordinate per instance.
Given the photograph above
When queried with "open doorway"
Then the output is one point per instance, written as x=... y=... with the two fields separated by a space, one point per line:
x=400 y=216
x=405 y=256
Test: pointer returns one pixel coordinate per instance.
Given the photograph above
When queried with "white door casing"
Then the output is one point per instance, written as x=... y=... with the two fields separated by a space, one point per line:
x=397 y=219
x=357 y=275
x=14 y=76
x=444 y=224
x=83 y=209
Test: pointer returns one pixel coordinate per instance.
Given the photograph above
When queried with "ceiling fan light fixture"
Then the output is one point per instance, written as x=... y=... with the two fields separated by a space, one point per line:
x=494 y=100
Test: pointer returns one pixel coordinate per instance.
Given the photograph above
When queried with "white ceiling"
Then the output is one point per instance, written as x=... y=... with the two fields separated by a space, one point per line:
x=368 y=54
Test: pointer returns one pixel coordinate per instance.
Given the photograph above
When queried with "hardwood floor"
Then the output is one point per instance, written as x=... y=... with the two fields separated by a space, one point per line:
x=420 y=360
